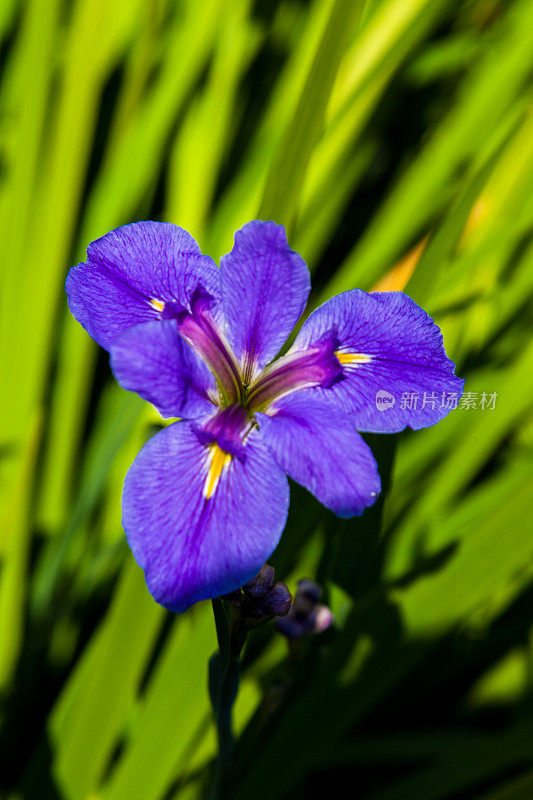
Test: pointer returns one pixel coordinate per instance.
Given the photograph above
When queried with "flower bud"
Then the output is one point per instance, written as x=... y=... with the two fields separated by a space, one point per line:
x=260 y=598
x=261 y=584
x=306 y=615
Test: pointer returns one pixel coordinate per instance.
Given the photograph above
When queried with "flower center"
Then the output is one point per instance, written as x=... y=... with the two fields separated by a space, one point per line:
x=227 y=429
x=317 y=365
x=224 y=433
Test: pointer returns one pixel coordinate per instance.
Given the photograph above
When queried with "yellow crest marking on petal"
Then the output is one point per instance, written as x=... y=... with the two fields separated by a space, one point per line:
x=157 y=304
x=218 y=461
x=351 y=358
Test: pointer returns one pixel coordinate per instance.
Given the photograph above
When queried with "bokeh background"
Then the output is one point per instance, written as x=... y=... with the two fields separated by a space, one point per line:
x=394 y=139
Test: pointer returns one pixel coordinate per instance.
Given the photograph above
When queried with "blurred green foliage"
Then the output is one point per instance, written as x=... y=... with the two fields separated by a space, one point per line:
x=366 y=129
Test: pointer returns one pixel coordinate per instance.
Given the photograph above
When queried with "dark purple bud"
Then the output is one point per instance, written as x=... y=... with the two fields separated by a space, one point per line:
x=293 y=628
x=260 y=599
x=308 y=590
x=261 y=584
x=276 y=603
x=306 y=614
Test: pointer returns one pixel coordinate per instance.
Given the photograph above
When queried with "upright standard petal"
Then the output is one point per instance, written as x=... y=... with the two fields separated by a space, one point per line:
x=319 y=447
x=265 y=286
x=199 y=521
x=153 y=360
x=395 y=369
x=135 y=274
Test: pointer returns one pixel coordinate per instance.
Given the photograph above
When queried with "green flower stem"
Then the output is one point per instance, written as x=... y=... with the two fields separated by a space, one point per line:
x=224 y=670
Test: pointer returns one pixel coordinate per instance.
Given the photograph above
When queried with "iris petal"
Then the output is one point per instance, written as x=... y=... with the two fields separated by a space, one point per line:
x=265 y=286
x=395 y=369
x=319 y=447
x=153 y=360
x=190 y=545
x=132 y=273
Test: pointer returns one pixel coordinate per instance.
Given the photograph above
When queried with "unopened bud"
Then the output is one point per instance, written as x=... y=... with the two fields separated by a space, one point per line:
x=306 y=615
x=260 y=598
x=261 y=584
x=308 y=590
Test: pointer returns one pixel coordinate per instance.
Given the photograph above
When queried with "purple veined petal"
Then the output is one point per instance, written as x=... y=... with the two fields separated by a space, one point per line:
x=200 y=522
x=318 y=446
x=153 y=360
x=265 y=286
x=130 y=275
x=395 y=369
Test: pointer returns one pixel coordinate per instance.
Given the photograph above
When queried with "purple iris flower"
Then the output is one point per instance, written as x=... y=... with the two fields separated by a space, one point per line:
x=206 y=499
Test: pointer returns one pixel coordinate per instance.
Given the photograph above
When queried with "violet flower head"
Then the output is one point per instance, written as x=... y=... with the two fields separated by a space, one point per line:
x=206 y=499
